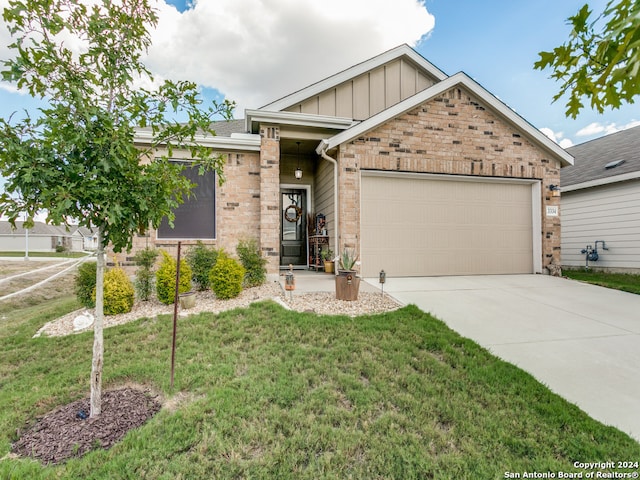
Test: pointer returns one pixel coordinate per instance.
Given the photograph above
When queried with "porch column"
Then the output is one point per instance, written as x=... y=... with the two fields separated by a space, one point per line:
x=349 y=208
x=269 y=196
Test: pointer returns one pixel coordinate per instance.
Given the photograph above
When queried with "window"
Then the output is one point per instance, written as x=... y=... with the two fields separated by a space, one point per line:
x=196 y=217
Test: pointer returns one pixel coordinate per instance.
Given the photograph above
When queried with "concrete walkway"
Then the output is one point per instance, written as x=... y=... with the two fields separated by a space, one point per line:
x=581 y=340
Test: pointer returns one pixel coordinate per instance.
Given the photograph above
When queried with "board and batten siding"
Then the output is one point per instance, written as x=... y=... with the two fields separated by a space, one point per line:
x=324 y=198
x=369 y=93
x=610 y=213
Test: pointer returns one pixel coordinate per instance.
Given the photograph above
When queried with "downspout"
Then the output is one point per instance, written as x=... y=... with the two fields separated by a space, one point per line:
x=323 y=153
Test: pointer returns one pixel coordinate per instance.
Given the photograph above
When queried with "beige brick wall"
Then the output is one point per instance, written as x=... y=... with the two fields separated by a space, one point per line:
x=270 y=196
x=237 y=210
x=451 y=134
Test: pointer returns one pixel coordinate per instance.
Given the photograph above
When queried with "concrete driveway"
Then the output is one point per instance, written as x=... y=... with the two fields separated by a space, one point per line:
x=580 y=340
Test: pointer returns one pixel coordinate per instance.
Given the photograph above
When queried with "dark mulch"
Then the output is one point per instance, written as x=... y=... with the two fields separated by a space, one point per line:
x=62 y=433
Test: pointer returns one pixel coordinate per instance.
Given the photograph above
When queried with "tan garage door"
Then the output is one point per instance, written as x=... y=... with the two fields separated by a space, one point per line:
x=415 y=225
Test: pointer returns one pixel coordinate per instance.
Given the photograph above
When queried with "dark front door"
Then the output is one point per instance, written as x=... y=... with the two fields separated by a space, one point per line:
x=293 y=227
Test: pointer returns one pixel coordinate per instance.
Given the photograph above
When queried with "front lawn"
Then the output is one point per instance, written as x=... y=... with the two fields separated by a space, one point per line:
x=620 y=281
x=264 y=392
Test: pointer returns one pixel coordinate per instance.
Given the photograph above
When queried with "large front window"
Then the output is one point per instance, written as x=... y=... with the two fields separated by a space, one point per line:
x=196 y=217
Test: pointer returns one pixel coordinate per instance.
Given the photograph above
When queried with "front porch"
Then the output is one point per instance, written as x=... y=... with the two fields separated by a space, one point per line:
x=298 y=200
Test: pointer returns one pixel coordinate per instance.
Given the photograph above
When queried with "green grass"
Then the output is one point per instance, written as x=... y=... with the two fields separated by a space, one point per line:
x=269 y=393
x=620 y=281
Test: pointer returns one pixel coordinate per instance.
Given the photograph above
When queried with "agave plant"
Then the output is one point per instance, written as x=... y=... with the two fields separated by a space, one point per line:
x=348 y=259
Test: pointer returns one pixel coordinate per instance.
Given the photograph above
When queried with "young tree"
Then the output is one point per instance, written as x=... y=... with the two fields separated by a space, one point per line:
x=77 y=159
x=601 y=59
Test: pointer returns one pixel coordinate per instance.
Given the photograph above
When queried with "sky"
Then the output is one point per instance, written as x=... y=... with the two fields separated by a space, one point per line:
x=256 y=51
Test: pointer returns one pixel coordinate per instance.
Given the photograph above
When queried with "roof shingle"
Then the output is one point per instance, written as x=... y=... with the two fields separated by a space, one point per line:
x=592 y=157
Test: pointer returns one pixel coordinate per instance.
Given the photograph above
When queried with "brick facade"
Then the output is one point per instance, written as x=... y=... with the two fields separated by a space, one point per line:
x=270 y=196
x=237 y=211
x=451 y=134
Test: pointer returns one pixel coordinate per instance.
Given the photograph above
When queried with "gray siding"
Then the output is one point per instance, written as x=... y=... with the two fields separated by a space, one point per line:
x=324 y=200
x=610 y=213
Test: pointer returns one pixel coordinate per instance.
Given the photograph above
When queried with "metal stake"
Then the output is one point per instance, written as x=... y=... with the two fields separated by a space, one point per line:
x=175 y=316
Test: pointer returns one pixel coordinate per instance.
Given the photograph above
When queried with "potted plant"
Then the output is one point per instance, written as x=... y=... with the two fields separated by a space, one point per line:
x=347 y=282
x=327 y=256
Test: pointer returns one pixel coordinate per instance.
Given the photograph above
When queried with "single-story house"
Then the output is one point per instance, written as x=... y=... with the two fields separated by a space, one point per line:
x=420 y=173
x=45 y=238
x=84 y=239
x=40 y=238
x=601 y=202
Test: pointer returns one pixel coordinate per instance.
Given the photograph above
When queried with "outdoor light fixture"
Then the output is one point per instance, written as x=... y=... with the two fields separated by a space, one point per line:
x=382 y=279
x=554 y=188
x=298 y=172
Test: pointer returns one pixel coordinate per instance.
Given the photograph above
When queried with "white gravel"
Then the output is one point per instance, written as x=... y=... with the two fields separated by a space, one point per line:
x=323 y=303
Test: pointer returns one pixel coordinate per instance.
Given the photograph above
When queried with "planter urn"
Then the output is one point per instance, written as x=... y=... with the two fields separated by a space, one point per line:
x=187 y=300
x=347 y=285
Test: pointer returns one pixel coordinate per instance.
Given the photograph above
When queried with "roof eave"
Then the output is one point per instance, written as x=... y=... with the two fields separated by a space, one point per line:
x=236 y=142
x=601 y=181
x=255 y=117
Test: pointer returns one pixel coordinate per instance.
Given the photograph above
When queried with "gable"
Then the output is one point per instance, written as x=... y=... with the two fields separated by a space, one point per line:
x=364 y=89
x=464 y=83
x=369 y=93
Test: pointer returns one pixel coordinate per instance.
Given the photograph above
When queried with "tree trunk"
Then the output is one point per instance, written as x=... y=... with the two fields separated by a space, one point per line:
x=98 y=344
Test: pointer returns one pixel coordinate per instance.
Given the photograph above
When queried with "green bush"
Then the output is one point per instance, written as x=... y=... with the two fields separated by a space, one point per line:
x=118 y=292
x=86 y=283
x=253 y=262
x=201 y=259
x=166 y=278
x=145 y=259
x=226 y=277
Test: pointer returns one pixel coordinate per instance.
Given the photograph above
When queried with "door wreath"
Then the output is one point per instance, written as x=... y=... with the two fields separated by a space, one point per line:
x=292 y=213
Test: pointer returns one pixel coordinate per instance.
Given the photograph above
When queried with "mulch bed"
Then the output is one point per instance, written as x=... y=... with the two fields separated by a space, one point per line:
x=63 y=433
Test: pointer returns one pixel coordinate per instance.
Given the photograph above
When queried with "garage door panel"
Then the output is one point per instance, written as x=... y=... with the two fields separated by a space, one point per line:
x=426 y=226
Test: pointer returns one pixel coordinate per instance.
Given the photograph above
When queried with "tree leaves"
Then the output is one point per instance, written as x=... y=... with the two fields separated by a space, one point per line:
x=600 y=61
x=78 y=159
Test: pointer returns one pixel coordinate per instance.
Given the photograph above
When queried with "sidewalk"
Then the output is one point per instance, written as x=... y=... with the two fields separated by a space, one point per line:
x=308 y=281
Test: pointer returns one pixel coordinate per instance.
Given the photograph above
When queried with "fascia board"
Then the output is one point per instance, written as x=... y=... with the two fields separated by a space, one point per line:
x=244 y=142
x=459 y=79
x=601 y=181
x=297 y=119
x=352 y=72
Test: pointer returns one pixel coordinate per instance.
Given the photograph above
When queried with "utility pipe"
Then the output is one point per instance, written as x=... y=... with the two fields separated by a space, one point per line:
x=323 y=154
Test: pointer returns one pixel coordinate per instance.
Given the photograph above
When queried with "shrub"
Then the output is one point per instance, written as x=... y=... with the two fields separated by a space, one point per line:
x=118 y=292
x=201 y=259
x=86 y=283
x=145 y=259
x=253 y=262
x=166 y=278
x=226 y=277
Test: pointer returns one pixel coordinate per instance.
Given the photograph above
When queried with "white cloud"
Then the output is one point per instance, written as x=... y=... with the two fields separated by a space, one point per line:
x=557 y=137
x=599 y=129
x=256 y=52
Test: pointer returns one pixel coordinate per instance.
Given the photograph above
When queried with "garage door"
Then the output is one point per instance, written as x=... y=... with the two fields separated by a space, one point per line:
x=414 y=225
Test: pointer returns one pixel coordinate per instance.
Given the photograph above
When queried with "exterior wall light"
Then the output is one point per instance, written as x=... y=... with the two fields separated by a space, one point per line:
x=298 y=172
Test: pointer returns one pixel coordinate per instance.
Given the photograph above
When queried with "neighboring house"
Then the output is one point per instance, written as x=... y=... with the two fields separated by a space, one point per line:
x=40 y=238
x=84 y=239
x=419 y=172
x=601 y=201
x=45 y=238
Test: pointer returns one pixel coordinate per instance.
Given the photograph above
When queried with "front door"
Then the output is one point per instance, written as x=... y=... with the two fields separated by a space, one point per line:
x=293 y=227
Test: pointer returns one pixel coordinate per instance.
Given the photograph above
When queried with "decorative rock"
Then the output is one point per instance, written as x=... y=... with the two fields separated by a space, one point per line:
x=82 y=321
